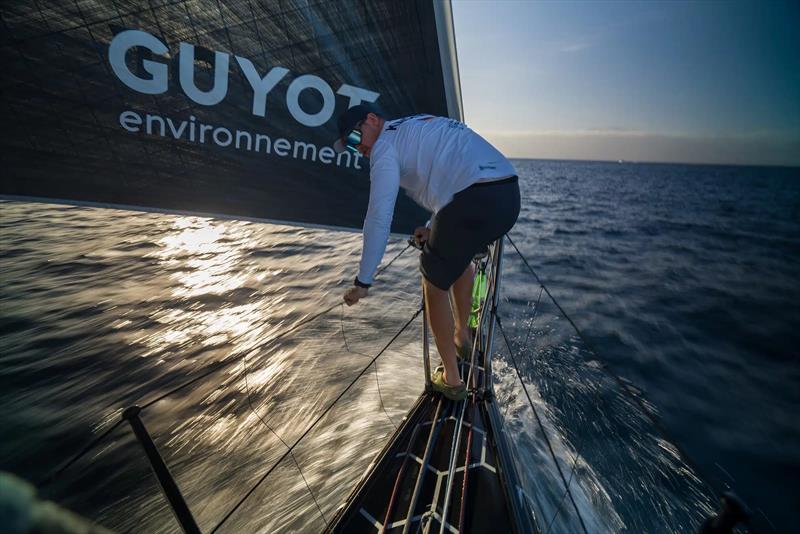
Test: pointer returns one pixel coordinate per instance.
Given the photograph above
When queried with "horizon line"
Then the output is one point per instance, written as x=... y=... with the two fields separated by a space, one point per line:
x=654 y=162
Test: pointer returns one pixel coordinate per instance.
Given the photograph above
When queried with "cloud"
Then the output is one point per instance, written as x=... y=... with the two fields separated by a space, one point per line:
x=574 y=47
x=608 y=31
x=752 y=148
x=607 y=131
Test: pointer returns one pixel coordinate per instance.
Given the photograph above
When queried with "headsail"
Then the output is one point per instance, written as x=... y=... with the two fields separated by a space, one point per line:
x=214 y=107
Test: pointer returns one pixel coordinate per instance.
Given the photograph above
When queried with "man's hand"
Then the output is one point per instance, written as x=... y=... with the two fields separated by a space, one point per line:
x=421 y=234
x=352 y=295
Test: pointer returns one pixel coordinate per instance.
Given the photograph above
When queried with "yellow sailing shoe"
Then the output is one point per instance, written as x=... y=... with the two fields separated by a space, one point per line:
x=454 y=393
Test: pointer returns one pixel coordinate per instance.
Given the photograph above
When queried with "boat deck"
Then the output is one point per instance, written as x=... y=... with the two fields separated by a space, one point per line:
x=419 y=480
x=448 y=467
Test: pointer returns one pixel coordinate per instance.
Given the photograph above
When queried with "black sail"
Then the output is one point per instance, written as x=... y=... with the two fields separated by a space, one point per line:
x=214 y=107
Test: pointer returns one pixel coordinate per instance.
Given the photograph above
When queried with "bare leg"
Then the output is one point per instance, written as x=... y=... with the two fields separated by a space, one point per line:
x=441 y=321
x=461 y=299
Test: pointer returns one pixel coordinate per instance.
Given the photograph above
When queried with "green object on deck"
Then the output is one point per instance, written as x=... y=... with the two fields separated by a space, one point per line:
x=478 y=296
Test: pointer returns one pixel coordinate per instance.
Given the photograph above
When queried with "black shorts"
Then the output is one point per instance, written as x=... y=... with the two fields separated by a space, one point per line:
x=475 y=218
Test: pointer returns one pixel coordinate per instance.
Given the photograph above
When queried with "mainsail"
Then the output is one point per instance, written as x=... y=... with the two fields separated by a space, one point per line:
x=229 y=108
x=214 y=107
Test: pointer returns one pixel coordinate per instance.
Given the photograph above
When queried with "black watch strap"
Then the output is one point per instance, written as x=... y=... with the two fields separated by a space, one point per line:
x=359 y=283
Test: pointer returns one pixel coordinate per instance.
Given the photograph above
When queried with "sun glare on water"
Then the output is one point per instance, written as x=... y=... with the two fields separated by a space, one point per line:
x=212 y=280
x=208 y=255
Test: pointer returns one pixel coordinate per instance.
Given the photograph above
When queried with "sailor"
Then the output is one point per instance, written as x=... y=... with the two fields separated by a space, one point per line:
x=470 y=188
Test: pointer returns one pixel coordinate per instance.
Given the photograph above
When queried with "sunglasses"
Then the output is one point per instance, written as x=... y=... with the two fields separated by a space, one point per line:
x=353 y=139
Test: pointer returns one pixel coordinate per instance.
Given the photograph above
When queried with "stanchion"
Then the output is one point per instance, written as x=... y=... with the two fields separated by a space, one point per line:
x=168 y=484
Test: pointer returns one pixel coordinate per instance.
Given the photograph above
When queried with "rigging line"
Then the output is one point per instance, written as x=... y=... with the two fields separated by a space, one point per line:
x=533 y=318
x=226 y=363
x=214 y=367
x=471 y=379
x=379 y=271
x=579 y=447
x=564 y=496
x=344 y=337
x=704 y=477
x=377 y=379
x=296 y=463
x=539 y=422
x=316 y=421
x=456 y=443
x=530 y=328
x=347 y=346
x=51 y=477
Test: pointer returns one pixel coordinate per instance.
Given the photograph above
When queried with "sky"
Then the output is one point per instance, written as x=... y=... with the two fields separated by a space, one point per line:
x=693 y=82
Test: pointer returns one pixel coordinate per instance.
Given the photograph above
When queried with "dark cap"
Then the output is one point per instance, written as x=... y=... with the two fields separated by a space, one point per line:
x=348 y=120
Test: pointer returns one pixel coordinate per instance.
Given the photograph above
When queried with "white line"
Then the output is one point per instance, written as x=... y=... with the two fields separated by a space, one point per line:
x=371 y=519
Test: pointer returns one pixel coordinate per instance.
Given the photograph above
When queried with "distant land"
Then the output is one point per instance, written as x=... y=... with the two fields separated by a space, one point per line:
x=774 y=149
x=627 y=162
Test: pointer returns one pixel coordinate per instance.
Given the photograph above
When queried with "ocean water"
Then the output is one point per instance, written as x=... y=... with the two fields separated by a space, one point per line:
x=684 y=281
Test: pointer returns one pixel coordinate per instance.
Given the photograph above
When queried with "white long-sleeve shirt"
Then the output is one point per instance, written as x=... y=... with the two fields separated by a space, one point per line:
x=432 y=158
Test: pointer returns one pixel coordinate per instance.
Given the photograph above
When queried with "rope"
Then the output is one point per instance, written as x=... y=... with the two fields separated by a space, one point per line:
x=533 y=317
x=346 y=346
x=290 y=449
x=379 y=271
x=541 y=425
x=216 y=366
x=377 y=379
x=471 y=380
x=55 y=474
x=212 y=368
x=569 y=481
x=621 y=383
x=225 y=363
x=316 y=421
x=579 y=448
x=296 y=463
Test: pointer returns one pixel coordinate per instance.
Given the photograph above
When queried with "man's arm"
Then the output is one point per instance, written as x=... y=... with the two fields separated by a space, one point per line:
x=383 y=190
